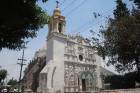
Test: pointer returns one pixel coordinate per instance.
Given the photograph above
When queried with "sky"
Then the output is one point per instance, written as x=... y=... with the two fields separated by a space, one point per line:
x=79 y=20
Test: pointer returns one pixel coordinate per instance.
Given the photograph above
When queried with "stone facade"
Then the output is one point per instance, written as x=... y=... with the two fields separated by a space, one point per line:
x=31 y=73
x=66 y=64
x=72 y=64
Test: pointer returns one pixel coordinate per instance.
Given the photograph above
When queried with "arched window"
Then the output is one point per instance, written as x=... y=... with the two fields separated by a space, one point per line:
x=60 y=27
x=81 y=57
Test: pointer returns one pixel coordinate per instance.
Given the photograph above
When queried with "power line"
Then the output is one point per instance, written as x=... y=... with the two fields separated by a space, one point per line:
x=82 y=26
x=71 y=3
x=70 y=12
x=8 y=65
x=89 y=22
x=103 y=16
x=62 y=2
x=86 y=24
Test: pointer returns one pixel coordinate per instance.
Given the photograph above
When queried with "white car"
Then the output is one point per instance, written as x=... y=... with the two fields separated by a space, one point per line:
x=15 y=90
x=4 y=90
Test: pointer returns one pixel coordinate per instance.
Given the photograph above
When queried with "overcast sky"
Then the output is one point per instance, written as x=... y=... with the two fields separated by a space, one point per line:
x=79 y=19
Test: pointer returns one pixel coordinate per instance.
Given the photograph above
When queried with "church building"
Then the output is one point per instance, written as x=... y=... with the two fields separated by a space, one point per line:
x=72 y=64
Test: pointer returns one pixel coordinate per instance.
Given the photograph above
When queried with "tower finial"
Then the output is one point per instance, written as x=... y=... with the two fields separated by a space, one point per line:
x=57 y=4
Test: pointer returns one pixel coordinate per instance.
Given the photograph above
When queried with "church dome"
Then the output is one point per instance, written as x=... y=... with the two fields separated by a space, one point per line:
x=57 y=12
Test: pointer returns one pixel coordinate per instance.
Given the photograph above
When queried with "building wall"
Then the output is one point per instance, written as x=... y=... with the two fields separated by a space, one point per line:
x=31 y=75
x=63 y=50
x=74 y=67
x=136 y=90
x=57 y=75
x=55 y=66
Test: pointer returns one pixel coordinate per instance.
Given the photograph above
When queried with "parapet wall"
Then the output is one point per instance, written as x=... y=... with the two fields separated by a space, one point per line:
x=136 y=90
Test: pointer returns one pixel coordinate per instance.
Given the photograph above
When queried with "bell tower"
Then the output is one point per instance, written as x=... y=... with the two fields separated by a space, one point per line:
x=57 y=22
x=56 y=41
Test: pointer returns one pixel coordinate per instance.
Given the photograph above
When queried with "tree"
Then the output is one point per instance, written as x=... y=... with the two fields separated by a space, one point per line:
x=20 y=20
x=121 y=10
x=12 y=82
x=3 y=74
x=137 y=2
x=128 y=80
x=121 y=39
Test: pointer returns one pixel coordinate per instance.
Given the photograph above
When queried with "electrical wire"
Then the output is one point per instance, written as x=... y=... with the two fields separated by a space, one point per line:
x=97 y=23
x=62 y=2
x=70 y=12
x=71 y=3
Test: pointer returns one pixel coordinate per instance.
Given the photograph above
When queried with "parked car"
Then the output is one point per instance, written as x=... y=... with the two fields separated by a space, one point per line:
x=4 y=90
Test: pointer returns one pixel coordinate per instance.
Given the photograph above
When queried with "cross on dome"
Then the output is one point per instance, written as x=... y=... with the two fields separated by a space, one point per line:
x=57 y=4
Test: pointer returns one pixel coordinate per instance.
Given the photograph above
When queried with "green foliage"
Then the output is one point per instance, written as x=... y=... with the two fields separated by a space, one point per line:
x=121 y=39
x=3 y=74
x=121 y=10
x=20 y=20
x=12 y=82
x=128 y=80
x=137 y=2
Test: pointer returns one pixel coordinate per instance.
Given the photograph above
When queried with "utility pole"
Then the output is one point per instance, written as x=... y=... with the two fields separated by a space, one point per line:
x=21 y=66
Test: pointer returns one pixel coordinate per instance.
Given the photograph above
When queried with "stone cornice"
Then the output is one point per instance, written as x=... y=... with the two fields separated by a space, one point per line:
x=79 y=63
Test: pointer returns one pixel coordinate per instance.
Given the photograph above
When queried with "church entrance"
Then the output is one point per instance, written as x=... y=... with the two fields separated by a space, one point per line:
x=86 y=79
x=83 y=85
